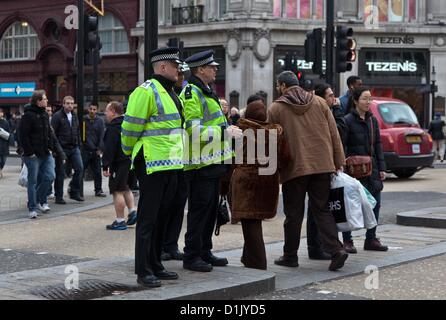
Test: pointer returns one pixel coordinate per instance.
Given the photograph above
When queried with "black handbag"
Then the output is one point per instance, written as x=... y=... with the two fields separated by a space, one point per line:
x=223 y=214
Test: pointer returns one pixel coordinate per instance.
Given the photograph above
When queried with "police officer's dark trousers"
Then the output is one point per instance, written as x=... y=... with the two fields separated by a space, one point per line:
x=176 y=215
x=202 y=213
x=157 y=191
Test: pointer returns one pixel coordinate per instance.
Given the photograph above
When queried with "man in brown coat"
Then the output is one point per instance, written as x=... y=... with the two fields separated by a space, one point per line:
x=316 y=152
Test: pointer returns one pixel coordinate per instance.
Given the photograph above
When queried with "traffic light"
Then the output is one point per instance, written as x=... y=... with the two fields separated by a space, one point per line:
x=300 y=76
x=345 y=49
x=91 y=39
x=313 y=49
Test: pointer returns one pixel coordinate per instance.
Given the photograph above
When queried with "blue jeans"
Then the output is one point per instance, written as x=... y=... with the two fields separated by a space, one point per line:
x=75 y=159
x=40 y=176
x=371 y=233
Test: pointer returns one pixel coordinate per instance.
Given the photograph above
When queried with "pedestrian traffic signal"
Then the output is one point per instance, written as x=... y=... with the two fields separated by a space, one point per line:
x=92 y=41
x=300 y=76
x=313 y=49
x=345 y=49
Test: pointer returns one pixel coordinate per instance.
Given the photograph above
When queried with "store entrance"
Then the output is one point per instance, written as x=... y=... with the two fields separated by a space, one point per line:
x=414 y=96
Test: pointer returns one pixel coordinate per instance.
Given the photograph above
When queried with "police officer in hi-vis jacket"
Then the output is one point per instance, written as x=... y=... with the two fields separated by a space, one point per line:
x=209 y=148
x=151 y=134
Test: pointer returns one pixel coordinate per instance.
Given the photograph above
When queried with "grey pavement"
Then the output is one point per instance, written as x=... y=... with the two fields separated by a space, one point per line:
x=234 y=281
x=13 y=198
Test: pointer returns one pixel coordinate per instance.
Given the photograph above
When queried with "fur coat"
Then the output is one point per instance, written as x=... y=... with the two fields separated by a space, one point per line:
x=256 y=196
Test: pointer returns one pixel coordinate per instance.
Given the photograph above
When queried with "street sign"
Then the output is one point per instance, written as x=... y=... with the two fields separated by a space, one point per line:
x=17 y=89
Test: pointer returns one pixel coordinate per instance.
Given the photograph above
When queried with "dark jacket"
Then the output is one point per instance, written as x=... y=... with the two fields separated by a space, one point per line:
x=436 y=129
x=36 y=135
x=340 y=122
x=113 y=155
x=68 y=135
x=4 y=144
x=94 y=137
x=358 y=143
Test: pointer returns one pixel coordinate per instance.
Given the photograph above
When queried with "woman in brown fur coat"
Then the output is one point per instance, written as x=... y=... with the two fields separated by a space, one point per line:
x=255 y=197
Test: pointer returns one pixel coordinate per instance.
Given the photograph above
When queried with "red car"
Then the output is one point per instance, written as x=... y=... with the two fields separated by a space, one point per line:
x=407 y=148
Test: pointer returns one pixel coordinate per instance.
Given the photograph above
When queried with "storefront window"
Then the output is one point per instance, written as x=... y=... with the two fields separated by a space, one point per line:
x=392 y=10
x=300 y=9
x=399 y=74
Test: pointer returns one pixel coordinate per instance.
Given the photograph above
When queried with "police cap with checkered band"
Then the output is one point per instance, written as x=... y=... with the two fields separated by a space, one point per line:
x=200 y=59
x=165 y=54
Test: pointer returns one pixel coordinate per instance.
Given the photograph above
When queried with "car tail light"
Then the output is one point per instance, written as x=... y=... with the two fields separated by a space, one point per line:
x=430 y=138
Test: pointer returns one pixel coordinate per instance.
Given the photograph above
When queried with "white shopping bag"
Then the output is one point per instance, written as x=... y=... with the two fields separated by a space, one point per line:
x=23 y=177
x=367 y=208
x=345 y=202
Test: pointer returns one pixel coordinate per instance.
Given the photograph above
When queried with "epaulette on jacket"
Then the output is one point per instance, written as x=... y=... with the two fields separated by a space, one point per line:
x=146 y=85
x=188 y=92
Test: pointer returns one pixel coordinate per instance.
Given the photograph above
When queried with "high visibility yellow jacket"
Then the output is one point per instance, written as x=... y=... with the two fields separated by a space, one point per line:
x=205 y=124
x=152 y=122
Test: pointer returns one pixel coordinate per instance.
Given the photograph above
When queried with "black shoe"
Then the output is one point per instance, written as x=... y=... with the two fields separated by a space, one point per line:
x=176 y=255
x=166 y=275
x=77 y=197
x=337 y=262
x=318 y=255
x=215 y=261
x=60 y=201
x=285 y=261
x=100 y=194
x=165 y=256
x=149 y=281
x=198 y=265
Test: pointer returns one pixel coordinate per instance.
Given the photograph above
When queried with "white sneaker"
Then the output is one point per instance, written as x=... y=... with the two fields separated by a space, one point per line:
x=44 y=208
x=51 y=197
x=32 y=215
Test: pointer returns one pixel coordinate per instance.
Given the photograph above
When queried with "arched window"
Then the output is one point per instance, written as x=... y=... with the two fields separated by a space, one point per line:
x=19 y=42
x=113 y=35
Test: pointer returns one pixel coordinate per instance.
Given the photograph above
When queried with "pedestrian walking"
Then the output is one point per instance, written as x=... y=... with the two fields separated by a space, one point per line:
x=206 y=126
x=363 y=139
x=316 y=153
x=353 y=82
x=116 y=166
x=66 y=127
x=436 y=130
x=5 y=137
x=254 y=196
x=37 y=142
x=151 y=134
x=93 y=147
x=314 y=245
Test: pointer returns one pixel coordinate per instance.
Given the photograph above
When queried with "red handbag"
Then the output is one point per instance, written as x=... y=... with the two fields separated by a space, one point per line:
x=360 y=167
